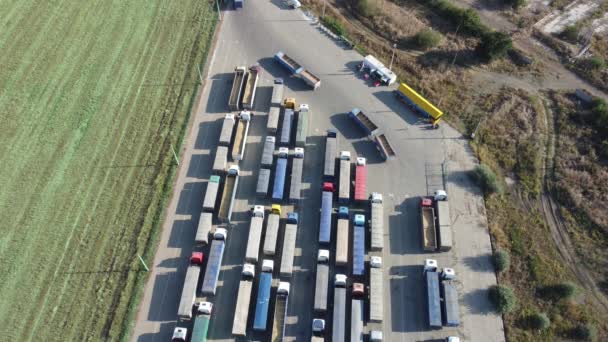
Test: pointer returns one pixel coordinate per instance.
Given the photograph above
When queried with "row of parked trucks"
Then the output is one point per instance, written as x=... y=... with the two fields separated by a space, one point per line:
x=244 y=85
x=442 y=296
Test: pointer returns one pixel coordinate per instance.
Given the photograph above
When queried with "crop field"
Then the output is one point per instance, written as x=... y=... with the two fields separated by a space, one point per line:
x=93 y=94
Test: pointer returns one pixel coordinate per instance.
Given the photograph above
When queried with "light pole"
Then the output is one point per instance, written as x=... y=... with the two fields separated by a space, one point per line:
x=393 y=56
x=324 y=3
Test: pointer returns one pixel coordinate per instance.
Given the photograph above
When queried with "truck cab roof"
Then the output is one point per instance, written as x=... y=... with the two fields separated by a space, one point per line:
x=303 y=107
x=204 y=308
x=343 y=212
x=361 y=161
x=258 y=211
x=430 y=265
x=376 y=197
x=344 y=155
x=214 y=179
x=220 y=234
x=271 y=138
x=283 y=152
x=323 y=255
x=448 y=274
x=278 y=81
x=359 y=220
x=245 y=115
x=267 y=265
x=318 y=325
x=332 y=133
x=292 y=218
x=328 y=186
x=340 y=280
x=440 y=195
x=234 y=170
x=196 y=258
x=358 y=289
x=276 y=209
x=179 y=334
x=298 y=152
x=375 y=336
x=283 y=288
x=248 y=270
x=375 y=262
x=229 y=116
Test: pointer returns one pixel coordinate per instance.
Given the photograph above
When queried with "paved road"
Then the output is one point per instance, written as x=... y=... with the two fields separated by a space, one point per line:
x=253 y=35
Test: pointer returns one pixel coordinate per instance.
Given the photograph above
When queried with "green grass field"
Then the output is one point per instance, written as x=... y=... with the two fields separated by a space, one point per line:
x=92 y=95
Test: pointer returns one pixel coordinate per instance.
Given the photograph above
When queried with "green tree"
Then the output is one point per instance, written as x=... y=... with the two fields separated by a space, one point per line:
x=585 y=332
x=487 y=179
x=503 y=298
x=539 y=321
x=570 y=33
x=427 y=38
x=565 y=290
x=501 y=260
x=597 y=63
x=494 y=45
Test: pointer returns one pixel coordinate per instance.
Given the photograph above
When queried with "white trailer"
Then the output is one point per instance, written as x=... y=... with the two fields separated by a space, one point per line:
x=241 y=313
x=342 y=242
x=268 y=152
x=272 y=230
x=289 y=245
x=321 y=285
x=377 y=222
x=445 y=225
x=344 y=190
x=376 y=295
x=221 y=160
x=255 y=234
x=204 y=228
x=275 y=105
x=261 y=188
x=227 y=129
x=211 y=193
x=297 y=164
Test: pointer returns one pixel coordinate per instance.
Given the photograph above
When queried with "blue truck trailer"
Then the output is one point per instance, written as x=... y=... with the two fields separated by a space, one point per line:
x=214 y=263
x=359 y=245
x=326 y=209
x=279 y=174
x=263 y=301
x=433 y=299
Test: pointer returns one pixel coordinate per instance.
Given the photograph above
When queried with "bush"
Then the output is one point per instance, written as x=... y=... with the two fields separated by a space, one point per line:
x=503 y=298
x=539 y=321
x=427 y=39
x=570 y=33
x=367 y=8
x=494 y=45
x=467 y=20
x=597 y=63
x=600 y=112
x=584 y=332
x=560 y=291
x=515 y=4
x=333 y=24
x=487 y=179
x=501 y=260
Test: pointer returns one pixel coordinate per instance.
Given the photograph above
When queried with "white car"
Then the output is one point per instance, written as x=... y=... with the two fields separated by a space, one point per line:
x=293 y=4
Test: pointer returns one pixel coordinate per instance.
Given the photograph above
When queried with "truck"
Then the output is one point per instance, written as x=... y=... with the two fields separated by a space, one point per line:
x=318 y=328
x=214 y=263
x=204 y=228
x=421 y=105
x=240 y=138
x=263 y=299
x=326 y=210
x=339 y=325
x=363 y=121
x=289 y=245
x=360 y=179
x=221 y=160
x=227 y=130
x=344 y=191
x=268 y=152
x=280 y=312
x=250 y=87
x=261 y=188
x=377 y=221
x=321 y=283
x=331 y=144
x=444 y=224
x=356 y=321
x=237 y=88
x=309 y=78
x=286 y=127
x=272 y=230
x=451 y=316
x=433 y=299
x=302 y=125
x=342 y=238
x=279 y=174
x=180 y=334
x=211 y=194
x=241 y=313
x=230 y=186
x=297 y=165
x=384 y=147
x=201 y=322
x=275 y=105
x=427 y=223
x=190 y=283
x=376 y=295
x=359 y=245
x=255 y=234
x=286 y=61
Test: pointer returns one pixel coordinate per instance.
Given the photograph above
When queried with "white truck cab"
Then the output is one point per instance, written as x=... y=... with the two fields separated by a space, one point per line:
x=245 y=115
x=283 y=152
x=323 y=255
x=295 y=4
x=204 y=308
x=258 y=211
x=220 y=234
x=452 y=339
x=344 y=155
x=179 y=335
x=267 y=265
x=340 y=280
x=440 y=195
x=298 y=152
x=375 y=262
x=248 y=270
x=283 y=288
x=361 y=161
x=430 y=265
x=448 y=274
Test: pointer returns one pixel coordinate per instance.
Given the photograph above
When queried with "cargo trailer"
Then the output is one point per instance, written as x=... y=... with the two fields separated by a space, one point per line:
x=427 y=224
x=356 y=321
x=204 y=228
x=342 y=238
x=360 y=180
x=297 y=165
x=289 y=245
x=261 y=188
x=376 y=295
x=230 y=186
x=433 y=299
x=288 y=62
x=326 y=210
x=302 y=125
x=255 y=234
x=450 y=310
x=285 y=139
x=263 y=300
x=364 y=122
x=344 y=190
x=321 y=283
x=234 y=100
x=227 y=130
x=359 y=245
x=444 y=224
x=280 y=312
x=272 y=230
x=384 y=147
x=211 y=194
x=339 y=325
x=201 y=322
x=190 y=283
x=241 y=313
x=214 y=262
x=278 y=188
x=221 y=160
x=275 y=105
x=240 y=138
x=250 y=87
x=331 y=144
x=268 y=152
x=377 y=222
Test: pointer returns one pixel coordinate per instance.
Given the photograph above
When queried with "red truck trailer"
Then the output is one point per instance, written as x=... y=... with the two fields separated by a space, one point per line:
x=361 y=180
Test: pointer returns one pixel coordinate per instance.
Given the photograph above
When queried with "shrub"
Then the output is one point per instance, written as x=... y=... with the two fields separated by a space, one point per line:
x=515 y=4
x=494 y=45
x=597 y=63
x=427 y=39
x=367 y=8
x=503 y=298
x=584 y=332
x=333 y=24
x=539 y=321
x=570 y=33
x=487 y=179
x=466 y=19
x=600 y=112
x=560 y=291
x=501 y=260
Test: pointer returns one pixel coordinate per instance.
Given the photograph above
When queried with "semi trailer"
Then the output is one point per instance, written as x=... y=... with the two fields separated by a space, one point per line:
x=190 y=283
x=255 y=234
x=237 y=88
x=275 y=105
x=279 y=175
x=240 y=138
x=272 y=230
x=377 y=221
x=297 y=165
x=344 y=190
x=326 y=210
x=289 y=245
x=331 y=144
x=211 y=194
x=214 y=262
x=263 y=300
x=230 y=186
x=241 y=312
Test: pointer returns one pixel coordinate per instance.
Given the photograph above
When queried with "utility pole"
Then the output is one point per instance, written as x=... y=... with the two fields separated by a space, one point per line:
x=393 y=56
x=219 y=12
x=200 y=75
x=174 y=154
x=323 y=12
x=143 y=263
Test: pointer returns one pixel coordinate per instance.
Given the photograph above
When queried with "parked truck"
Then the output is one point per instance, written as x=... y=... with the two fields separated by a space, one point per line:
x=289 y=245
x=302 y=125
x=384 y=147
x=255 y=234
x=237 y=88
x=359 y=245
x=339 y=325
x=261 y=188
x=342 y=238
x=410 y=97
x=450 y=310
x=326 y=210
x=180 y=334
x=286 y=127
x=363 y=121
x=201 y=322
x=204 y=228
x=356 y=321
x=331 y=143
x=376 y=295
x=297 y=165
x=279 y=175
x=263 y=299
x=240 y=138
x=268 y=152
x=241 y=313
x=250 y=87
x=275 y=105
x=321 y=283
x=272 y=230
x=377 y=222
x=344 y=194
x=290 y=64
x=190 y=283
x=230 y=186
x=214 y=263
x=431 y=280
x=309 y=78
x=221 y=160
x=227 y=130
x=444 y=224
x=280 y=312
x=211 y=194
x=427 y=216
x=360 y=179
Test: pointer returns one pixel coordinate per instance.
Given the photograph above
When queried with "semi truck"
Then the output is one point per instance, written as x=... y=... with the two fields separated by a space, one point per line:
x=377 y=222
x=250 y=87
x=204 y=228
x=376 y=295
x=302 y=125
x=421 y=105
x=359 y=245
x=342 y=238
x=240 y=138
x=211 y=194
x=263 y=299
x=201 y=322
x=214 y=263
x=221 y=160
x=279 y=175
x=344 y=191
x=286 y=127
x=331 y=144
x=297 y=165
x=227 y=130
x=360 y=179
x=450 y=310
x=237 y=88
x=427 y=223
x=272 y=230
x=255 y=234
x=268 y=151
x=356 y=320
x=309 y=78
x=241 y=312
x=431 y=280
x=384 y=147
x=230 y=186
x=275 y=105
x=290 y=64
x=444 y=224
x=363 y=121
x=261 y=188
x=339 y=325
x=321 y=283
x=289 y=245
x=190 y=283
x=280 y=312
x=326 y=209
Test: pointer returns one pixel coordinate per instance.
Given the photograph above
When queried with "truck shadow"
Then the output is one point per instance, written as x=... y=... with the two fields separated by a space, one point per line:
x=479 y=263
x=477 y=302
x=390 y=100
x=406 y=224
x=200 y=166
x=262 y=101
x=277 y=71
x=165 y=333
x=208 y=134
x=219 y=91
x=367 y=149
x=407 y=298
x=165 y=299
x=183 y=232
x=346 y=126
x=190 y=199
